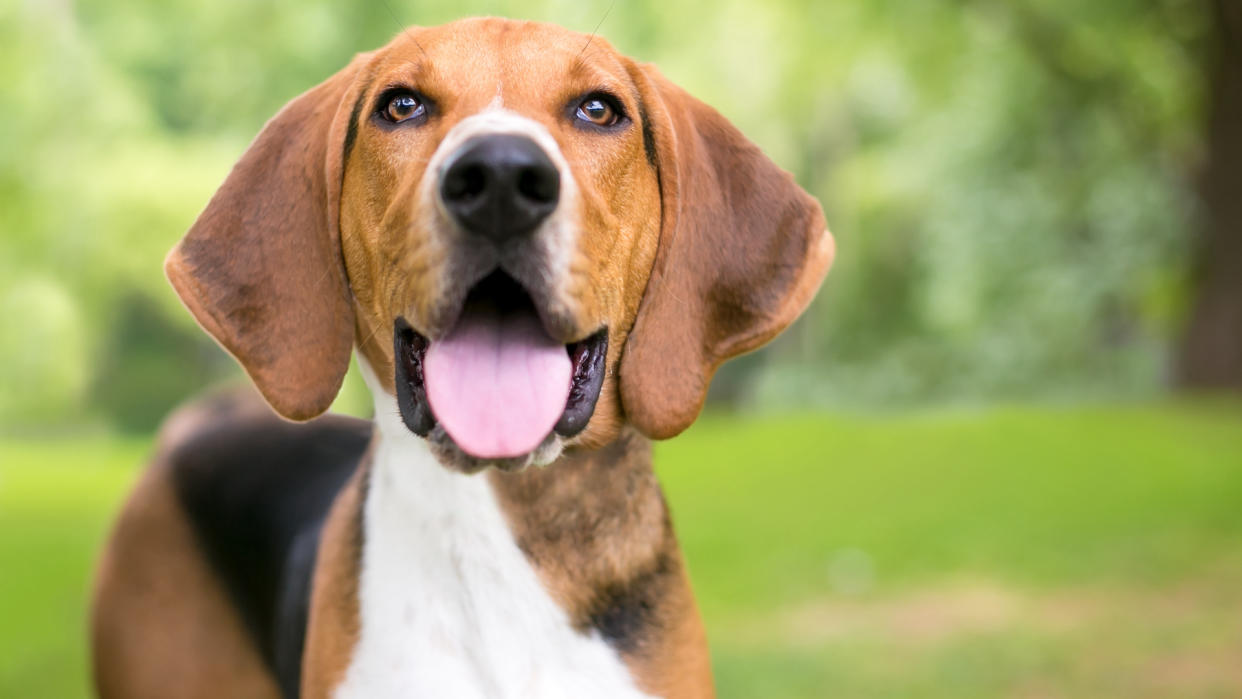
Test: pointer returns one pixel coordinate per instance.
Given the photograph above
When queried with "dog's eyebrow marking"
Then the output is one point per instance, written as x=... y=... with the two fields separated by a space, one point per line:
x=351 y=129
x=648 y=135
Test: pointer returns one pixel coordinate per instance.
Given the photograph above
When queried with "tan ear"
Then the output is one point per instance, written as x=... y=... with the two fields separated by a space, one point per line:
x=261 y=268
x=742 y=251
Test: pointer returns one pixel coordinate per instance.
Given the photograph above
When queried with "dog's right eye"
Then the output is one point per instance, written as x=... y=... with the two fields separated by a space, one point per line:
x=403 y=106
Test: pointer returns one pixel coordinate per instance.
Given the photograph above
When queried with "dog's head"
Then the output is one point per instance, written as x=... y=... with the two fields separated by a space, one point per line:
x=530 y=239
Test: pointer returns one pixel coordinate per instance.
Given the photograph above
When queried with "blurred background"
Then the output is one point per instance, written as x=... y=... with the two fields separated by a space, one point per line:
x=1001 y=455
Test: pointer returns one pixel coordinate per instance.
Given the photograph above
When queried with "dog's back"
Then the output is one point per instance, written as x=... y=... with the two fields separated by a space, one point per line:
x=232 y=506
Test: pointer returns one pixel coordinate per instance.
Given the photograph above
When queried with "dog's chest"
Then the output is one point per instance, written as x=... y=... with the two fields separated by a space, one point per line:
x=448 y=604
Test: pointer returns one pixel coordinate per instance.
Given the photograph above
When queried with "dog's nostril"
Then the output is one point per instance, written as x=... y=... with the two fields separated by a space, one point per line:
x=465 y=182
x=539 y=184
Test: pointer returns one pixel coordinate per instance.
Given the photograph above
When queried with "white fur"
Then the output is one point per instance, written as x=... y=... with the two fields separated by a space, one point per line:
x=448 y=604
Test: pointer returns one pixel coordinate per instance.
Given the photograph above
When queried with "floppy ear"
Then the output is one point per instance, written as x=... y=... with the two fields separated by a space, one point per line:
x=742 y=251
x=261 y=268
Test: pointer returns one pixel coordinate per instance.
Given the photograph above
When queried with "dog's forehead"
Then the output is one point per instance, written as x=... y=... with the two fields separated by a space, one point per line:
x=484 y=59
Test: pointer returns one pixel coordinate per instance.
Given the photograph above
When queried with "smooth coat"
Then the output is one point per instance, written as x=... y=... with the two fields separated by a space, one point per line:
x=674 y=235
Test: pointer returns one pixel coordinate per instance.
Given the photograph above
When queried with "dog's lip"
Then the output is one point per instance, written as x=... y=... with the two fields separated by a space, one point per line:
x=409 y=350
x=588 y=356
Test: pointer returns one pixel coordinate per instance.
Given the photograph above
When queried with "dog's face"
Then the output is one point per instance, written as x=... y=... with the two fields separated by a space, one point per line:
x=503 y=176
x=530 y=239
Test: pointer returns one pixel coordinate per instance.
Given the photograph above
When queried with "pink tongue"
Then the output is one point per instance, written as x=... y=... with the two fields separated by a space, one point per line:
x=497 y=383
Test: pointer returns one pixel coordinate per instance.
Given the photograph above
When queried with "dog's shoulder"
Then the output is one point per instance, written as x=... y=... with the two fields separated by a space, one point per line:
x=256 y=489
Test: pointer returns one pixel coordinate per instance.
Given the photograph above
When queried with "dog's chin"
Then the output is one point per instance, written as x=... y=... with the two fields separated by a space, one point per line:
x=454 y=458
x=498 y=305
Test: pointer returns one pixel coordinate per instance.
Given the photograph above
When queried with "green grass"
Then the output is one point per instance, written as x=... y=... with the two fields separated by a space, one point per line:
x=1013 y=552
x=1077 y=552
x=56 y=501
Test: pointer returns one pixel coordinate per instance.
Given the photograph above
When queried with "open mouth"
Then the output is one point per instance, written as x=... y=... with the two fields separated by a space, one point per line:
x=497 y=383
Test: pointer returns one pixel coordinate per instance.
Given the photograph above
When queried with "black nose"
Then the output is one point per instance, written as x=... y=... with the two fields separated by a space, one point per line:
x=500 y=186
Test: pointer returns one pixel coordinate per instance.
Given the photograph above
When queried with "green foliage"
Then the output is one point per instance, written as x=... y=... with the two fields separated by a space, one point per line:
x=1007 y=181
x=1082 y=553
x=1007 y=185
x=149 y=364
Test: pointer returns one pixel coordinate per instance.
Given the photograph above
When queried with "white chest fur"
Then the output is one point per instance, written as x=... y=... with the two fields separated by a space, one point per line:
x=448 y=604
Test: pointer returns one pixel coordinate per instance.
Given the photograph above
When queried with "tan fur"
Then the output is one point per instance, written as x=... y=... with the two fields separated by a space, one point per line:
x=332 y=626
x=162 y=626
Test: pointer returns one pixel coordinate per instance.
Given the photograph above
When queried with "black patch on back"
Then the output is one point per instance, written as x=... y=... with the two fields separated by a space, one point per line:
x=623 y=612
x=351 y=130
x=257 y=491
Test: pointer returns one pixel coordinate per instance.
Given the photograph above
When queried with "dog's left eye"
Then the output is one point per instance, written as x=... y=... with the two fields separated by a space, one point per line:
x=403 y=107
x=598 y=111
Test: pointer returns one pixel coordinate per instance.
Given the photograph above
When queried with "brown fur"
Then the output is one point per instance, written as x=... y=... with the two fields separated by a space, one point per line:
x=332 y=627
x=162 y=624
x=261 y=267
x=692 y=248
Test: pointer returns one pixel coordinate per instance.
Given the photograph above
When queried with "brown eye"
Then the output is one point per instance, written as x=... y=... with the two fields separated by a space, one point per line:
x=403 y=107
x=598 y=112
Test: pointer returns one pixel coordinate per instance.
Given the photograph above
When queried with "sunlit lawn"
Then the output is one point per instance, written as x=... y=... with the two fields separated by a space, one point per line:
x=1083 y=552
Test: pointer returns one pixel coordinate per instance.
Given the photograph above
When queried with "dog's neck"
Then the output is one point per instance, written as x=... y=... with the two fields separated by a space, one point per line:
x=510 y=583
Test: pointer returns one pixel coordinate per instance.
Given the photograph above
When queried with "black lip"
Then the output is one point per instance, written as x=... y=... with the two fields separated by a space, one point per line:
x=410 y=347
x=588 y=357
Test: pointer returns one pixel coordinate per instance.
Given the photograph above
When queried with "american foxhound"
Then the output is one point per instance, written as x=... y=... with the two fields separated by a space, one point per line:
x=540 y=251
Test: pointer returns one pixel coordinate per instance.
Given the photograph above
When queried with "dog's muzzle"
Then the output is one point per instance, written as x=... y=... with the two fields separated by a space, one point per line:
x=497 y=385
x=502 y=379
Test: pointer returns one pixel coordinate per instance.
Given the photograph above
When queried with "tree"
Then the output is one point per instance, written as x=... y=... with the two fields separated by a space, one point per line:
x=1211 y=349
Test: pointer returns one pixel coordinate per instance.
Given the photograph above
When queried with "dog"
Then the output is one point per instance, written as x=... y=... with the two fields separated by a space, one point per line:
x=540 y=251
